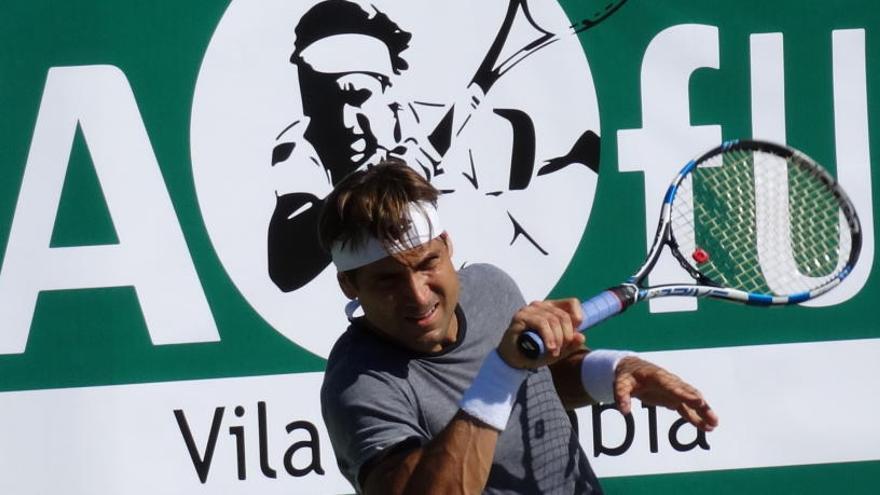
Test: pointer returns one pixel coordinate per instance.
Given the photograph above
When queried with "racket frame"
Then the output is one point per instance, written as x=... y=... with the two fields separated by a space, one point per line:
x=617 y=299
x=491 y=69
x=704 y=286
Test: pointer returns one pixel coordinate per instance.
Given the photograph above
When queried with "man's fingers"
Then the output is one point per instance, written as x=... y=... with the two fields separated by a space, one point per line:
x=710 y=419
x=694 y=399
x=691 y=405
x=571 y=307
x=552 y=323
x=576 y=343
x=624 y=404
x=548 y=327
x=654 y=385
x=703 y=417
x=690 y=415
x=623 y=388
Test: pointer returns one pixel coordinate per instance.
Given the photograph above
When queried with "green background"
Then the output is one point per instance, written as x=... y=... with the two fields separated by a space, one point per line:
x=98 y=337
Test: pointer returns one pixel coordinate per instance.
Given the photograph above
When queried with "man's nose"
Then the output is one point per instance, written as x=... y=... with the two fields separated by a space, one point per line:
x=350 y=118
x=417 y=290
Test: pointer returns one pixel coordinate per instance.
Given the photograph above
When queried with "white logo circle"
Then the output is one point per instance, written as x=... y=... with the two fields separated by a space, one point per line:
x=292 y=94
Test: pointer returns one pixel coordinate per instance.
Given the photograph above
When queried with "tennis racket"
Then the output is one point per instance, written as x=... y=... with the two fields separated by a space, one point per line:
x=503 y=55
x=749 y=221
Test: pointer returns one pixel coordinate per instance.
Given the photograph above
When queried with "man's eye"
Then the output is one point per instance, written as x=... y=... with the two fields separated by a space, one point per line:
x=430 y=263
x=355 y=97
x=385 y=282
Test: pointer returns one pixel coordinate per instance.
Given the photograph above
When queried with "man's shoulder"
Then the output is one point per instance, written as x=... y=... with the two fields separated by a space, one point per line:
x=349 y=353
x=357 y=353
x=489 y=298
x=486 y=274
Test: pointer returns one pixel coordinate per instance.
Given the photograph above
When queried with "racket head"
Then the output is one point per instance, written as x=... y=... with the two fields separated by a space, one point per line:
x=544 y=33
x=763 y=219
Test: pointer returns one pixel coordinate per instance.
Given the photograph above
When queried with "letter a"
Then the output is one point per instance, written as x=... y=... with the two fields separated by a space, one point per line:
x=151 y=254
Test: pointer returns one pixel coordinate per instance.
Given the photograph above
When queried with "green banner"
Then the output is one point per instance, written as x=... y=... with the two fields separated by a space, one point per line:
x=162 y=163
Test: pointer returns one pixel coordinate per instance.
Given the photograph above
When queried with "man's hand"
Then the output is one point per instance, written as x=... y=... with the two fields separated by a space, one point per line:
x=556 y=321
x=635 y=377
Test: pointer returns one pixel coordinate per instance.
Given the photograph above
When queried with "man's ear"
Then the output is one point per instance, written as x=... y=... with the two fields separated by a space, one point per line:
x=347 y=285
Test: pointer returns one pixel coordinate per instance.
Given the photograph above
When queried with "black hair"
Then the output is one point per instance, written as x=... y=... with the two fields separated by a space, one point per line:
x=333 y=17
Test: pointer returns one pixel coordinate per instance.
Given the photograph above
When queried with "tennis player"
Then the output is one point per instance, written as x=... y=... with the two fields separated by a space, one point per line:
x=426 y=392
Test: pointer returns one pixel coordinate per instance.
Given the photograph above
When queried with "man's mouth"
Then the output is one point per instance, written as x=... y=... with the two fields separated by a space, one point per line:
x=425 y=317
x=363 y=146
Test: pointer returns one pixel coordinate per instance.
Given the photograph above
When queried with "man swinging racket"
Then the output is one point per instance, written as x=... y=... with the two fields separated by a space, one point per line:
x=427 y=392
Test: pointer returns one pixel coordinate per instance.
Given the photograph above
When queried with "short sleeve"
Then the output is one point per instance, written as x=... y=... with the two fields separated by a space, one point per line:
x=366 y=417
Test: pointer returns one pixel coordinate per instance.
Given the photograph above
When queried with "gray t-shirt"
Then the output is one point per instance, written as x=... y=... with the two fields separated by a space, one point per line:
x=378 y=396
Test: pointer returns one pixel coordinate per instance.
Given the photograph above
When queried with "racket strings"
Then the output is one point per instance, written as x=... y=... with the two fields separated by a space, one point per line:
x=816 y=226
x=723 y=211
x=809 y=240
x=764 y=223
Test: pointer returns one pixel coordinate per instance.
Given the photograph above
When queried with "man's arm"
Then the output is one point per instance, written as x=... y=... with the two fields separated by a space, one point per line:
x=634 y=377
x=567 y=380
x=654 y=385
x=458 y=460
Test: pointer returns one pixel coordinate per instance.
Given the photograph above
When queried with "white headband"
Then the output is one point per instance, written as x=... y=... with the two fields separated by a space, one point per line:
x=343 y=53
x=424 y=226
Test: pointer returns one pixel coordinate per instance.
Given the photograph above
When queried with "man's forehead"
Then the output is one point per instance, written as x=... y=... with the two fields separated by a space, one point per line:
x=410 y=257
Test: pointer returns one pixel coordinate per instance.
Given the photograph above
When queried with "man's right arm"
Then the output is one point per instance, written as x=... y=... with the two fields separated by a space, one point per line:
x=458 y=460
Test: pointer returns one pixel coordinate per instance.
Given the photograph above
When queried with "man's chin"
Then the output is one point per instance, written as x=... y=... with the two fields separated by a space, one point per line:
x=434 y=340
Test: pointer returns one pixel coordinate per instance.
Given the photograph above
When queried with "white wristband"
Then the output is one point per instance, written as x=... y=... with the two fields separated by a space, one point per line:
x=598 y=372
x=491 y=395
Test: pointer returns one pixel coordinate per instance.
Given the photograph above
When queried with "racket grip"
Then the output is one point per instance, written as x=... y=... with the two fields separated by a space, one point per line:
x=597 y=309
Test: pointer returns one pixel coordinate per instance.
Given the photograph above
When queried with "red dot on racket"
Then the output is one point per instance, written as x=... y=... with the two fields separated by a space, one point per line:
x=700 y=256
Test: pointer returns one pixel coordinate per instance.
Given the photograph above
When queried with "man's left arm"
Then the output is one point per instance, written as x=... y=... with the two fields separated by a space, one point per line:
x=634 y=377
x=567 y=379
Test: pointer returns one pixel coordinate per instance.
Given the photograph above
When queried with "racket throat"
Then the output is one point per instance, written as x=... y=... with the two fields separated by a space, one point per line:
x=628 y=294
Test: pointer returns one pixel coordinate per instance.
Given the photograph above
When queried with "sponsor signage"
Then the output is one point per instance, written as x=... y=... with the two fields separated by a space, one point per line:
x=166 y=310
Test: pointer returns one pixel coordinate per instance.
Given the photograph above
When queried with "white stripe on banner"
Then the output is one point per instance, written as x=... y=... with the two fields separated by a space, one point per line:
x=126 y=439
x=779 y=405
